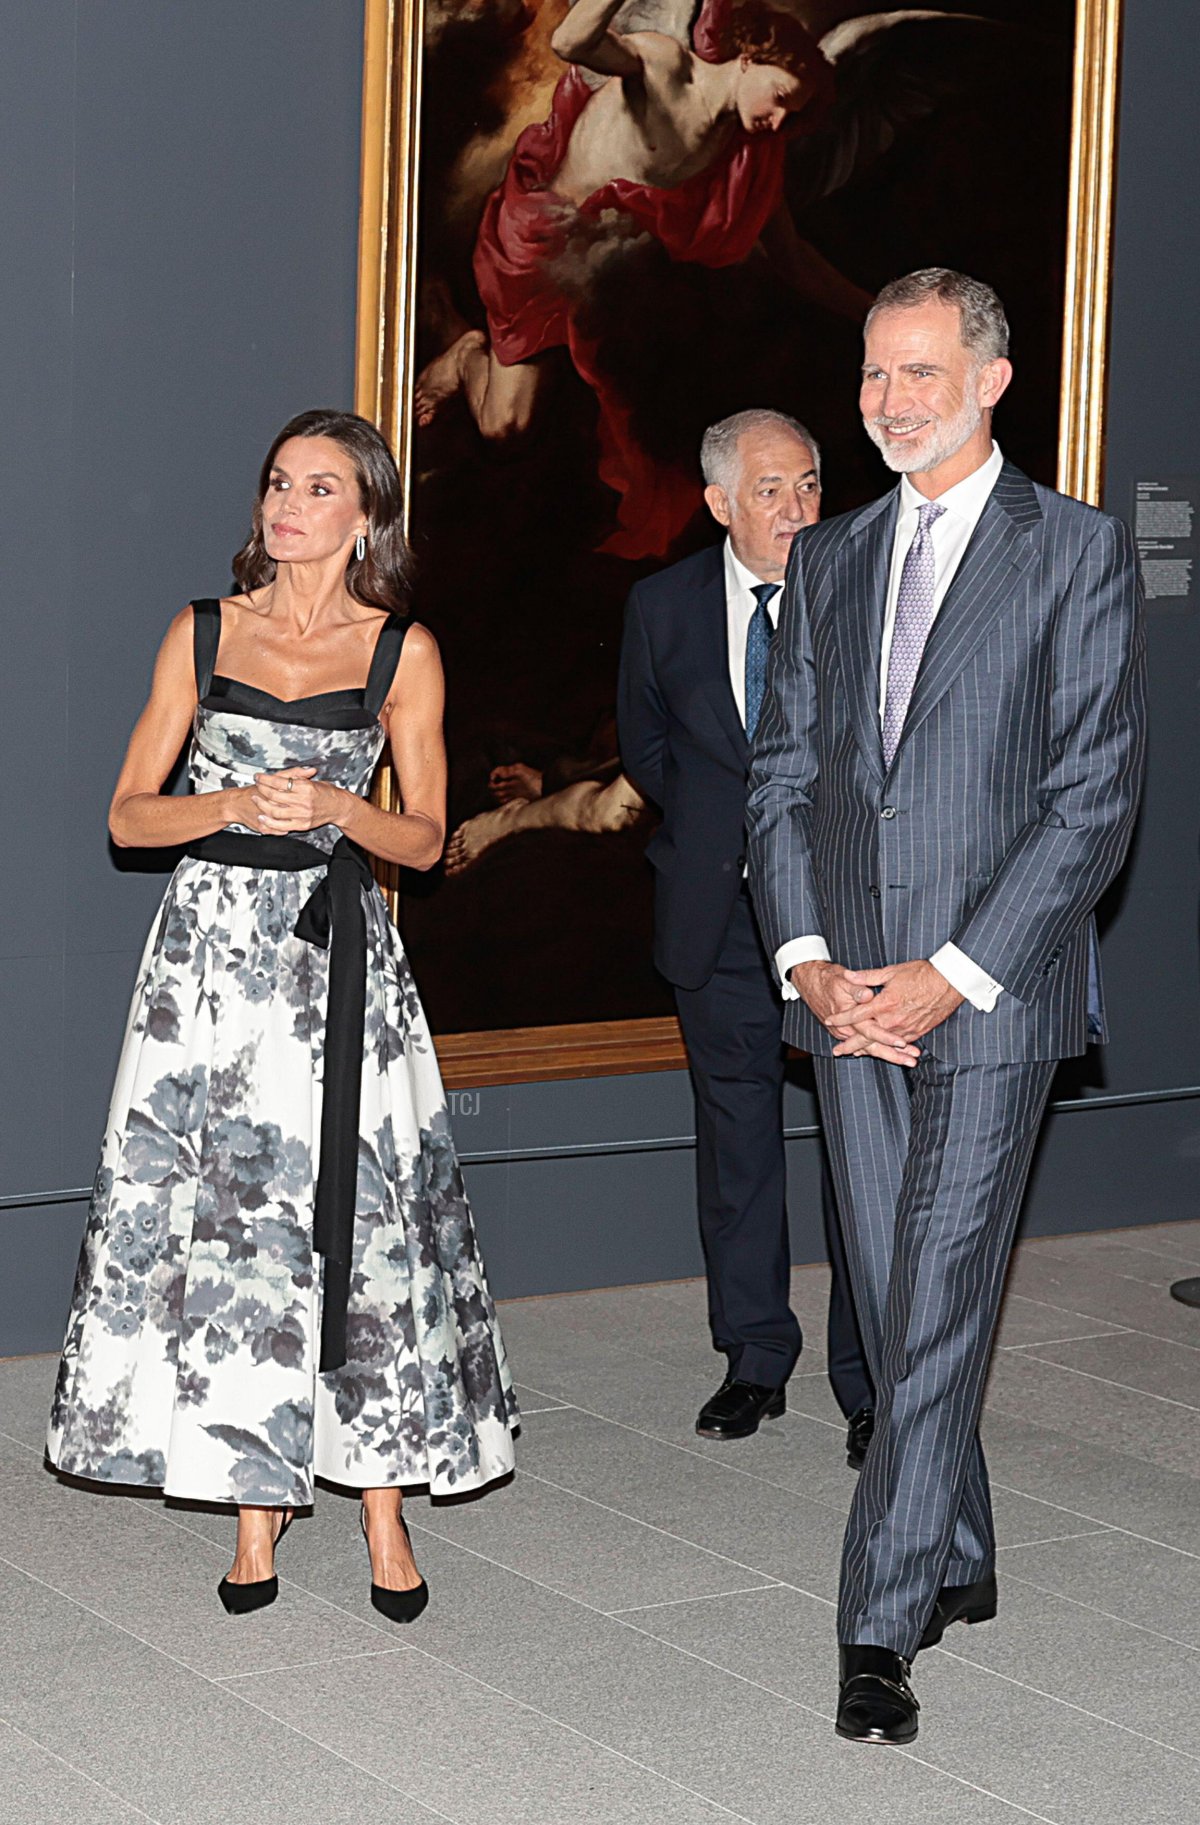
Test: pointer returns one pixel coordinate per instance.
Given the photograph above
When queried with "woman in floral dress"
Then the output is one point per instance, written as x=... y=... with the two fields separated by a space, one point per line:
x=279 y=1278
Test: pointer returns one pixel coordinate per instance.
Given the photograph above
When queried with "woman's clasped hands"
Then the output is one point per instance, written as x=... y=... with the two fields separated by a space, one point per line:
x=293 y=799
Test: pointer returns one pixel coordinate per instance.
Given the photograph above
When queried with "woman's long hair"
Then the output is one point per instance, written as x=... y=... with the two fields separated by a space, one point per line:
x=384 y=577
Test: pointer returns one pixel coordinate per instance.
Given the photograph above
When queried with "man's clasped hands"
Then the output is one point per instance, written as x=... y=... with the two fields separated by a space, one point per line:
x=877 y=1013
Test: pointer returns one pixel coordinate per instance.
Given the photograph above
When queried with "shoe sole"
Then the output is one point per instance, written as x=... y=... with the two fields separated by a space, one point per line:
x=771 y=1412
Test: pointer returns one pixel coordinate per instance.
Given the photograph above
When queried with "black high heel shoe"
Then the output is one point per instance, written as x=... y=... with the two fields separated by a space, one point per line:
x=397 y=1606
x=240 y=1599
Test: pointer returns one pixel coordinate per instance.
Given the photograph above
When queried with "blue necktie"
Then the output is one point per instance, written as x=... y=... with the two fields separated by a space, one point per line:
x=758 y=645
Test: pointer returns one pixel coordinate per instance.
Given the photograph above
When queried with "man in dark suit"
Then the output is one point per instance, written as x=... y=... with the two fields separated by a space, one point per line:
x=693 y=668
x=946 y=778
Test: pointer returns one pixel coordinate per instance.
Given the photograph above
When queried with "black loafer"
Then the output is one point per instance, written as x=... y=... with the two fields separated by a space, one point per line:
x=859 y=1434
x=876 y=1702
x=960 y=1603
x=737 y=1407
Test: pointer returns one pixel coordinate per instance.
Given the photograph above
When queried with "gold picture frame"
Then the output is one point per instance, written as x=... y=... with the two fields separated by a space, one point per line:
x=1089 y=249
x=385 y=343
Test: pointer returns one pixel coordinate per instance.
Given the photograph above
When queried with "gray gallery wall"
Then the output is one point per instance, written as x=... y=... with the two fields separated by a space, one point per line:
x=178 y=228
x=179 y=240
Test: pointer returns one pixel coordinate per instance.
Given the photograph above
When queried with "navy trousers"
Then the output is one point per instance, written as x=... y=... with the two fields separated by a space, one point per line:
x=929 y=1167
x=732 y=1029
x=846 y=1357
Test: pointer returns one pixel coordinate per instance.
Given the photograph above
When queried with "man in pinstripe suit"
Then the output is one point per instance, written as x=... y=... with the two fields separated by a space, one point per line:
x=945 y=780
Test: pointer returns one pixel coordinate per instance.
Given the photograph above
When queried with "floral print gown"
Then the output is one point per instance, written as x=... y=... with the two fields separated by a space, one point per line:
x=191 y=1355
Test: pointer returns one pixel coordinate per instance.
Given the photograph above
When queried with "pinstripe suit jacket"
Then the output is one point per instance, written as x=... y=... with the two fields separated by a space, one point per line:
x=1009 y=805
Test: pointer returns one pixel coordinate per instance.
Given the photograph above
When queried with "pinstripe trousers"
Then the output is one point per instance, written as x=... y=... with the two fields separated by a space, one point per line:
x=930 y=1167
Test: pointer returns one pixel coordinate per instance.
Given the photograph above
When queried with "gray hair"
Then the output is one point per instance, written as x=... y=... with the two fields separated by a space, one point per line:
x=982 y=325
x=719 y=446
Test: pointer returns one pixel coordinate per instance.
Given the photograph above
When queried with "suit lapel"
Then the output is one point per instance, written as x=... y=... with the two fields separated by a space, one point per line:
x=999 y=550
x=860 y=592
x=712 y=650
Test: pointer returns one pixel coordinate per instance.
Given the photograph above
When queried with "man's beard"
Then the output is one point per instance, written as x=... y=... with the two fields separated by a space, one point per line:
x=949 y=436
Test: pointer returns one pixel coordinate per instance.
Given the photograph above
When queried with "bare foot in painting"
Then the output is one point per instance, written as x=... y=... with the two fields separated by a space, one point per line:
x=443 y=377
x=477 y=835
x=587 y=808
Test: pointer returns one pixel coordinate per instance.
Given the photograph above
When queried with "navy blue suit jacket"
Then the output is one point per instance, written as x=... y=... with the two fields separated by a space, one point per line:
x=683 y=744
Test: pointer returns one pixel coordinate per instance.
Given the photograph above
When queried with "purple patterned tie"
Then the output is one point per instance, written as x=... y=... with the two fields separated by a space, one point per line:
x=914 y=618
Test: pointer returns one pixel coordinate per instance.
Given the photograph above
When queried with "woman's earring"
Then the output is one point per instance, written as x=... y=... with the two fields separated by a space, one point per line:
x=360 y=547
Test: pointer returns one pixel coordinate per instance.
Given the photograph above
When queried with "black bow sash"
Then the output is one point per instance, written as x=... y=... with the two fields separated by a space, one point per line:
x=332 y=917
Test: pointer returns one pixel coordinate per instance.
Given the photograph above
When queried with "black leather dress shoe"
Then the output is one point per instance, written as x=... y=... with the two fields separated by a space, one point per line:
x=737 y=1407
x=960 y=1603
x=859 y=1434
x=876 y=1702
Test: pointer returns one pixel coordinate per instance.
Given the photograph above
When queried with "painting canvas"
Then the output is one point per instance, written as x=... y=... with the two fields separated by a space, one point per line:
x=585 y=301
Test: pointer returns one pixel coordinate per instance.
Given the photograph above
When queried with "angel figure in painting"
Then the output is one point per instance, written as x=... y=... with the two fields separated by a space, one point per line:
x=645 y=137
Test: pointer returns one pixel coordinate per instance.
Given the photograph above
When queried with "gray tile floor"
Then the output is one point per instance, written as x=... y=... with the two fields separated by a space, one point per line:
x=639 y=1628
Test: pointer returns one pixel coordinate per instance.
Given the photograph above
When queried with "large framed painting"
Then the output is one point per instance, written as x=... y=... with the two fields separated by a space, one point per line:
x=559 y=290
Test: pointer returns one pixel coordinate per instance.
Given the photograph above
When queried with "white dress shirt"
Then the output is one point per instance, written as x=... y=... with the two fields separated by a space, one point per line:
x=740 y=604
x=951 y=534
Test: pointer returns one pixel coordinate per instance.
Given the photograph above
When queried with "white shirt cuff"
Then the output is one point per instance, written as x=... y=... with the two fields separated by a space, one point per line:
x=971 y=982
x=798 y=950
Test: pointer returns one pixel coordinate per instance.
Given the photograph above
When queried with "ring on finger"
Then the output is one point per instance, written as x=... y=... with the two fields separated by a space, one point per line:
x=289 y=785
